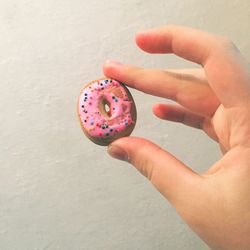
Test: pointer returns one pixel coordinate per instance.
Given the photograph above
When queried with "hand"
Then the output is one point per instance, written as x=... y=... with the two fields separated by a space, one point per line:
x=215 y=98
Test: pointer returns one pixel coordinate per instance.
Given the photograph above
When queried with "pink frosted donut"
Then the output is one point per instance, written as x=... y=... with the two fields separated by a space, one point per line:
x=106 y=111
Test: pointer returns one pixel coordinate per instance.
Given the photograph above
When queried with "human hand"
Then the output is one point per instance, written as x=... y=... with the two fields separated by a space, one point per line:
x=216 y=98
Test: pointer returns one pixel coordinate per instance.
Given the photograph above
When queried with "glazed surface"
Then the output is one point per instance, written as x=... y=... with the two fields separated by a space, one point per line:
x=105 y=109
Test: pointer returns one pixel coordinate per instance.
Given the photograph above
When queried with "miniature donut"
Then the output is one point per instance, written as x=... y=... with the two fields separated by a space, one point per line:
x=106 y=111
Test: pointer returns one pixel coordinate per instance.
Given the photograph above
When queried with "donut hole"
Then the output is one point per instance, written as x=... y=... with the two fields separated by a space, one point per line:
x=105 y=108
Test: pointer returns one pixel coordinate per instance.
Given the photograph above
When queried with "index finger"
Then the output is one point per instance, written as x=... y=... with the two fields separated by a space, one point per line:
x=226 y=70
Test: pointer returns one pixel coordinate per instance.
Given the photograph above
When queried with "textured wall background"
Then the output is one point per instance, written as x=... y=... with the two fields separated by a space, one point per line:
x=57 y=189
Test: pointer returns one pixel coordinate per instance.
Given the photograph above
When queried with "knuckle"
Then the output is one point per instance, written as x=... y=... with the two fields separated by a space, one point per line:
x=227 y=43
x=145 y=166
x=136 y=77
x=149 y=160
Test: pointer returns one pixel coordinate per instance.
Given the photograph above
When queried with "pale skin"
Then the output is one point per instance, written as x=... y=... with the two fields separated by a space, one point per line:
x=215 y=98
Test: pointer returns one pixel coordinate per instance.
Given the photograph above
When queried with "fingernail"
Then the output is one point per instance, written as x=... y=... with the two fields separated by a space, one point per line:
x=113 y=63
x=117 y=153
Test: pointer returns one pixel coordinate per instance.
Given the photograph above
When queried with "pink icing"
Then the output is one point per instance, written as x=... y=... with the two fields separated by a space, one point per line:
x=117 y=116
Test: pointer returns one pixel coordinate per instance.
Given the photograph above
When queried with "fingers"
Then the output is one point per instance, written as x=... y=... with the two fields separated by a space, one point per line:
x=188 y=43
x=226 y=70
x=187 y=87
x=177 y=113
x=170 y=176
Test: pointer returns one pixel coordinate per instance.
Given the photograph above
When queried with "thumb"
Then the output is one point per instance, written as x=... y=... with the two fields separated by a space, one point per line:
x=170 y=176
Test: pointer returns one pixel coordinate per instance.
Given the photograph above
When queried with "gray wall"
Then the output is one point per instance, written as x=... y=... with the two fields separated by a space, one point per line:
x=57 y=189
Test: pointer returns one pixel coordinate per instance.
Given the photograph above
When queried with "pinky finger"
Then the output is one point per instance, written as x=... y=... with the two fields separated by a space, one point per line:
x=177 y=113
